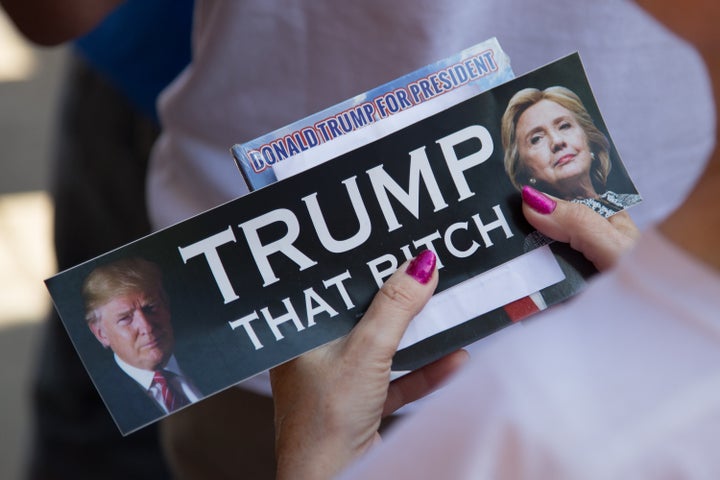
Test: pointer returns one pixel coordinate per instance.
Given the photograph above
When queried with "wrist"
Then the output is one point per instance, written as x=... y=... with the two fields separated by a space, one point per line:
x=307 y=459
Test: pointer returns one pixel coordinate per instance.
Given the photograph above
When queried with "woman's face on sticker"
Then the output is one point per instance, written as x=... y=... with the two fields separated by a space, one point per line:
x=552 y=145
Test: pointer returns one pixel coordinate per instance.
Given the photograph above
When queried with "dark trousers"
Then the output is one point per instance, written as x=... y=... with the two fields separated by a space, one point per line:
x=99 y=167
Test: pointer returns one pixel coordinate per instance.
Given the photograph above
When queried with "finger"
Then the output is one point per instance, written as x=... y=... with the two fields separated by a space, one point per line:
x=400 y=298
x=587 y=232
x=423 y=381
x=625 y=225
x=559 y=219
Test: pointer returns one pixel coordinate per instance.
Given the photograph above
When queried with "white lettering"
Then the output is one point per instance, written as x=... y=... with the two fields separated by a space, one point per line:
x=285 y=245
x=337 y=282
x=322 y=306
x=364 y=230
x=452 y=248
x=499 y=223
x=457 y=166
x=208 y=247
x=290 y=316
x=381 y=275
x=245 y=323
x=382 y=183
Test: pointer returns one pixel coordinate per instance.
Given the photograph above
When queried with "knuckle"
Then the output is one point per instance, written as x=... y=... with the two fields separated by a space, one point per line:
x=399 y=296
x=579 y=213
x=587 y=223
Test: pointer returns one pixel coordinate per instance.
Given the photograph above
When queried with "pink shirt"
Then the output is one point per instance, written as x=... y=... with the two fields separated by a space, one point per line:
x=623 y=382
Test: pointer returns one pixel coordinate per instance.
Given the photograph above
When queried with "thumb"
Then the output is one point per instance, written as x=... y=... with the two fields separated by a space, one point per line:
x=400 y=298
x=600 y=240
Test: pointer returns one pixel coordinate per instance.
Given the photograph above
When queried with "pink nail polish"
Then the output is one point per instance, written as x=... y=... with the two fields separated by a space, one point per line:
x=538 y=201
x=422 y=267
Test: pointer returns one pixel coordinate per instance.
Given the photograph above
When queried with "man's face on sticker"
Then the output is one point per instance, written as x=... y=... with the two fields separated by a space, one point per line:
x=136 y=326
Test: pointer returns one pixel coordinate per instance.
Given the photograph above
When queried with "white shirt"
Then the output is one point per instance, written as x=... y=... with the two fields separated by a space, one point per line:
x=259 y=65
x=621 y=383
x=145 y=379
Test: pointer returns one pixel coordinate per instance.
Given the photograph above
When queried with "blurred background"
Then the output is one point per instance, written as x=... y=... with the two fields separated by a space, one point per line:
x=29 y=80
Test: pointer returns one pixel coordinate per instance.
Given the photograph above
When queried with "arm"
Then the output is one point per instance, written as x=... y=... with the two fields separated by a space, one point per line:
x=329 y=402
x=51 y=22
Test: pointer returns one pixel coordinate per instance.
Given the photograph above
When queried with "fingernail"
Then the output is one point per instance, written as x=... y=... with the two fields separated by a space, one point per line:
x=422 y=267
x=538 y=201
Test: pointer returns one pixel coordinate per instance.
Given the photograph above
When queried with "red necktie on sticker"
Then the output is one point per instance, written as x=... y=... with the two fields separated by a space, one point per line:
x=173 y=398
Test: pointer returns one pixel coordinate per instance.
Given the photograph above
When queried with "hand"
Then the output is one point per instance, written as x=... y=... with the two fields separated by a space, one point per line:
x=329 y=402
x=601 y=240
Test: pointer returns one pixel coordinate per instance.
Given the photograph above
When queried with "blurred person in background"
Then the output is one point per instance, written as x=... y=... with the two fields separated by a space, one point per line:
x=106 y=126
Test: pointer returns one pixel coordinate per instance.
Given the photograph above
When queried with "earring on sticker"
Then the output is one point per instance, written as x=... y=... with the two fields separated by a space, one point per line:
x=532 y=181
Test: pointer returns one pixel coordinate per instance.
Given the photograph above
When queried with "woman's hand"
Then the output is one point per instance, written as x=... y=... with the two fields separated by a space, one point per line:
x=601 y=240
x=329 y=402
